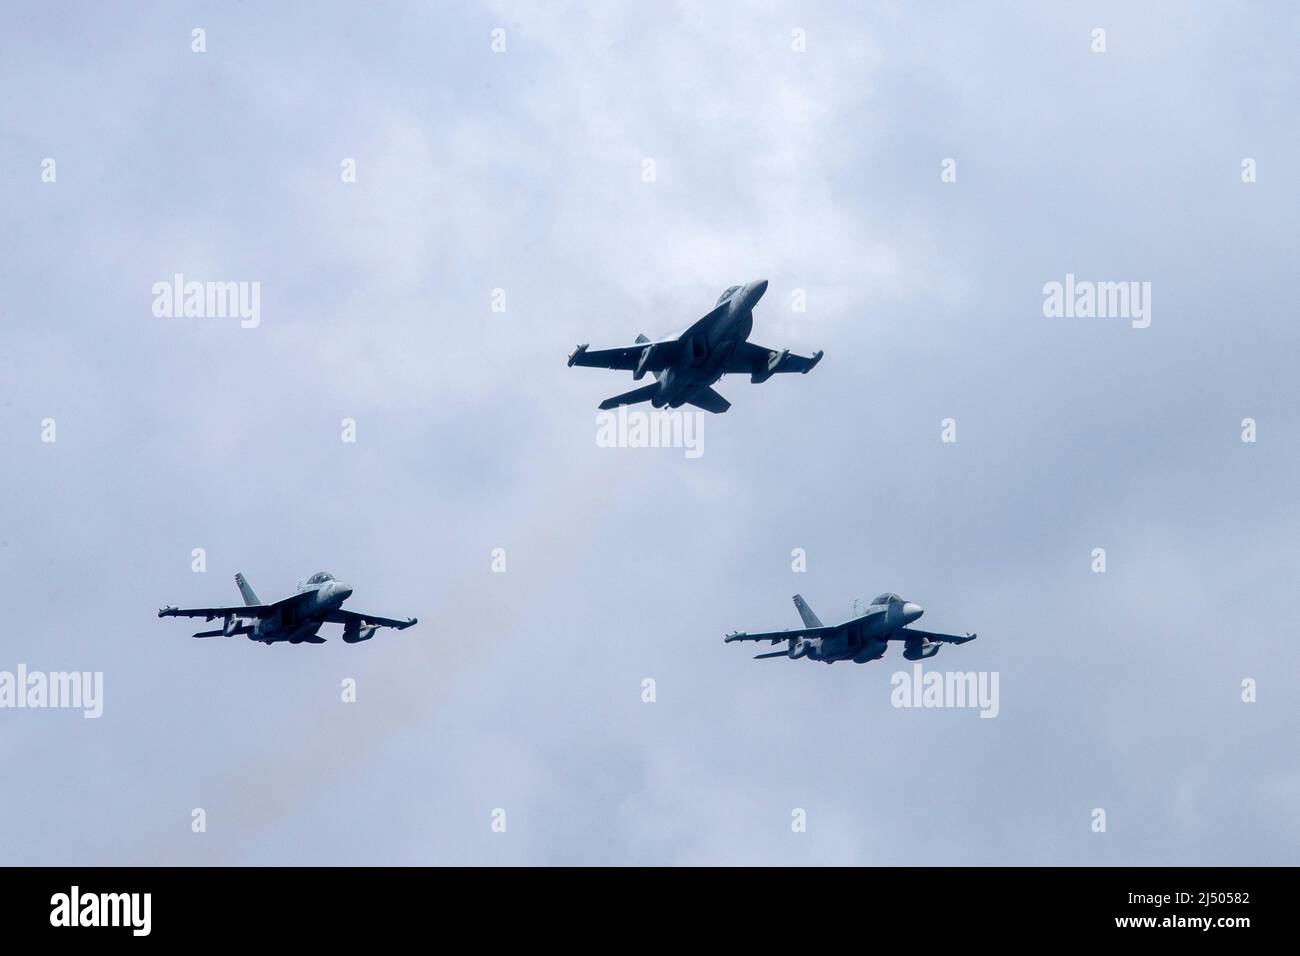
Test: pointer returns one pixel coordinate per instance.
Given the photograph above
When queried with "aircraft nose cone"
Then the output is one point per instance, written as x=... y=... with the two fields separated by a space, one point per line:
x=343 y=591
x=912 y=611
x=750 y=295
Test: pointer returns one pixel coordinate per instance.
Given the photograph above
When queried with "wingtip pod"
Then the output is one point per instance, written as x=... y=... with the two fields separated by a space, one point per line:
x=573 y=356
x=817 y=357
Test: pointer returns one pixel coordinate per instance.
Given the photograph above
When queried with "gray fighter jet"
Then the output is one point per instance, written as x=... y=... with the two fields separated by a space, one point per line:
x=687 y=363
x=861 y=639
x=296 y=619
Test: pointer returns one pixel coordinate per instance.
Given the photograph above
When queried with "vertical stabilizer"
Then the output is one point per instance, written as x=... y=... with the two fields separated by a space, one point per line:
x=246 y=589
x=809 y=618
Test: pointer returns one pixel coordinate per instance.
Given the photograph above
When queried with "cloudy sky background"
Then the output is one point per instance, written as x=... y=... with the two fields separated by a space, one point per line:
x=522 y=171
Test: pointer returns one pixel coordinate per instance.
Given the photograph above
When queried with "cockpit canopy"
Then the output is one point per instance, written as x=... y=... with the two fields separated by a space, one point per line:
x=320 y=577
x=889 y=598
x=727 y=295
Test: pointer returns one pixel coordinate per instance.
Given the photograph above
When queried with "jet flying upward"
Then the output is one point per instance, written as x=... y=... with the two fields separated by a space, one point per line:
x=686 y=364
x=860 y=639
x=296 y=619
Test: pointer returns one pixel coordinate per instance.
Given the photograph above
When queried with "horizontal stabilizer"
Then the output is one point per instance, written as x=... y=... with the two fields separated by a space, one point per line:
x=710 y=401
x=642 y=394
x=221 y=632
x=759 y=657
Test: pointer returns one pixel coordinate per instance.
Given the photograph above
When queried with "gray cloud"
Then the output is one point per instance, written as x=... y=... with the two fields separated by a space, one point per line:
x=522 y=171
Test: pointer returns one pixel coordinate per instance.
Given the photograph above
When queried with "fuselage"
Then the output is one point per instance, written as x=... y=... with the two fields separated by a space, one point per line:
x=298 y=620
x=862 y=639
x=704 y=356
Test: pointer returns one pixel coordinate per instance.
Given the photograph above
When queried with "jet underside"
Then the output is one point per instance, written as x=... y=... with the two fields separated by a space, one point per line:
x=864 y=638
x=686 y=365
x=296 y=619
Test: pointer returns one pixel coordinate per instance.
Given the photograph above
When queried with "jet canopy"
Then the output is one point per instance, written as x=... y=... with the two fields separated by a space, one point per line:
x=731 y=290
x=320 y=577
x=887 y=599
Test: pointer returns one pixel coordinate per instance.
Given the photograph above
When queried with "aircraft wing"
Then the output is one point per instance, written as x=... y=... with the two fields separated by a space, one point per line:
x=910 y=632
x=627 y=358
x=776 y=636
x=242 y=610
x=762 y=363
x=703 y=321
x=346 y=617
x=662 y=353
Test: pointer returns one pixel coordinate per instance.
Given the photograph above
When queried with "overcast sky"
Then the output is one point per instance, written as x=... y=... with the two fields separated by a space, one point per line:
x=522 y=171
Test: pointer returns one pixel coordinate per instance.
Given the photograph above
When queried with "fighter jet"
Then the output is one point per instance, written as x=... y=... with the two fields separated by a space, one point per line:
x=687 y=363
x=860 y=639
x=296 y=619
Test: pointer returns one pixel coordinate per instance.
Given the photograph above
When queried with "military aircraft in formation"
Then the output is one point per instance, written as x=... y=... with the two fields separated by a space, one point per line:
x=687 y=363
x=318 y=600
x=862 y=638
x=685 y=366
